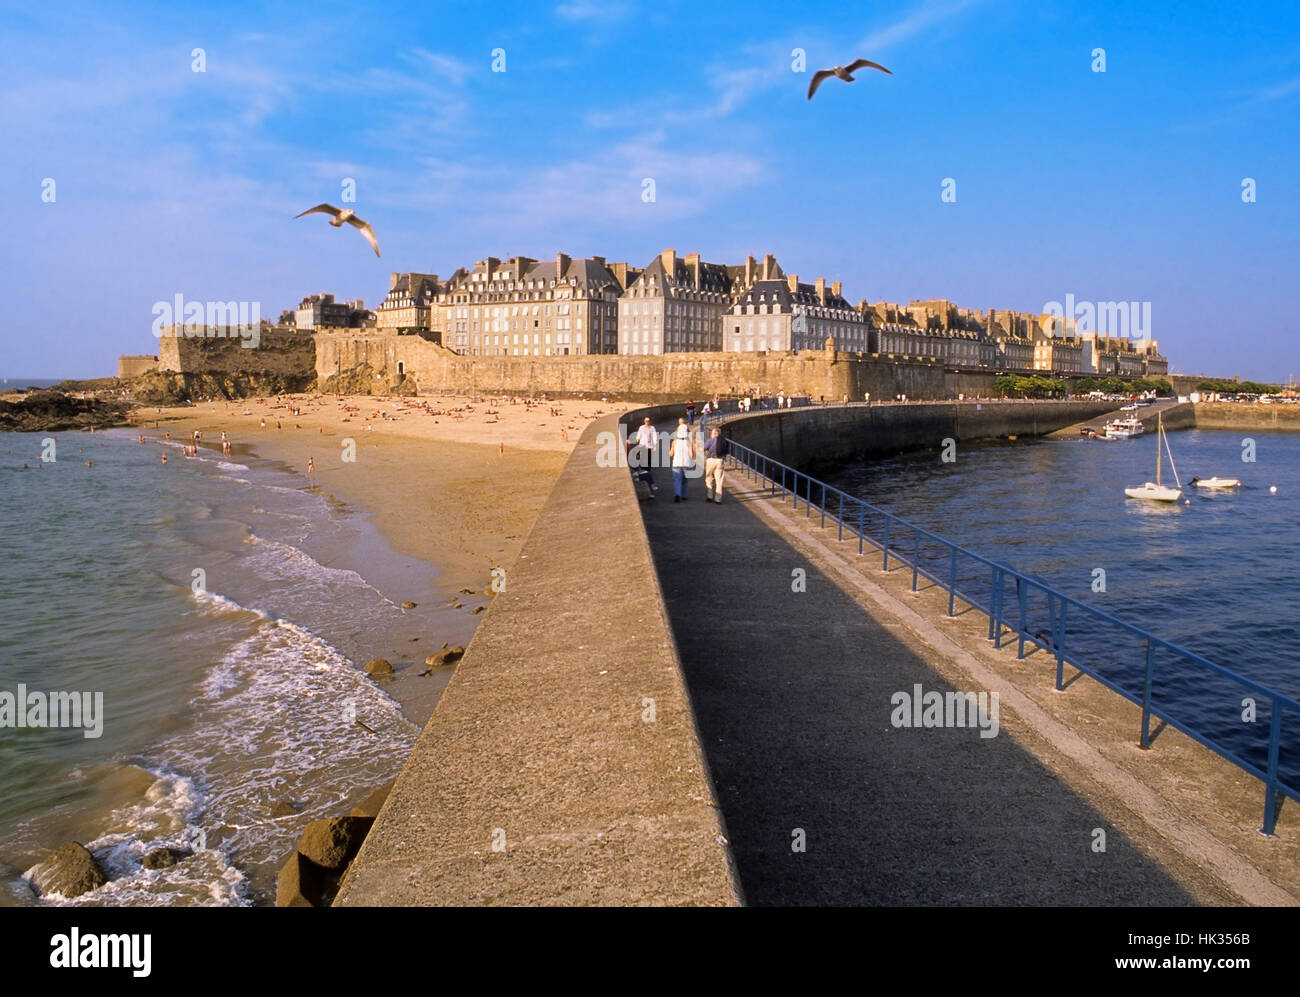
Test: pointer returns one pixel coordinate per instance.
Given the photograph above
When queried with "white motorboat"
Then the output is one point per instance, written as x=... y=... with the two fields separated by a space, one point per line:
x=1158 y=491
x=1216 y=482
x=1124 y=429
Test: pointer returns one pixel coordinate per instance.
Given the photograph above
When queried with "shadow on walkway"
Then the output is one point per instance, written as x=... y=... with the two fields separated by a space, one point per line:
x=792 y=693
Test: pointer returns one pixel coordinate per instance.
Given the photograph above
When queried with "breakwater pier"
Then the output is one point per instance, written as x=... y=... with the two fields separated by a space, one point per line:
x=778 y=776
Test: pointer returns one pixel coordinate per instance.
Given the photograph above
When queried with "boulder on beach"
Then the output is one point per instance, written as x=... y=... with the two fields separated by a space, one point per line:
x=380 y=668
x=162 y=858
x=69 y=871
x=331 y=843
x=299 y=884
x=283 y=808
x=408 y=605
x=476 y=610
x=371 y=805
x=439 y=658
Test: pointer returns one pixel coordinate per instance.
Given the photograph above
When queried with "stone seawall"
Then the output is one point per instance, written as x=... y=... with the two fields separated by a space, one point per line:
x=562 y=765
x=1231 y=415
x=809 y=437
x=681 y=376
x=279 y=352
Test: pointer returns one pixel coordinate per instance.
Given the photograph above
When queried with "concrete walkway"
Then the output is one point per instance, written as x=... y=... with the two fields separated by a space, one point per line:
x=561 y=765
x=792 y=692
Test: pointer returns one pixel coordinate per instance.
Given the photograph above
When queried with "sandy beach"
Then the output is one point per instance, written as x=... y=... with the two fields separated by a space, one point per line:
x=454 y=481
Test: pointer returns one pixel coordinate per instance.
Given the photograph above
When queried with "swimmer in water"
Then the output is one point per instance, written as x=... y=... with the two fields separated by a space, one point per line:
x=164 y=458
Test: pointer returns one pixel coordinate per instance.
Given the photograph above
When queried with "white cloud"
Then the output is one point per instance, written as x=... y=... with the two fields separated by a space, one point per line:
x=914 y=21
x=592 y=10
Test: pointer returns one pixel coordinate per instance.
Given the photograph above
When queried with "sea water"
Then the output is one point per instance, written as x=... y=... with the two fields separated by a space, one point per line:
x=205 y=600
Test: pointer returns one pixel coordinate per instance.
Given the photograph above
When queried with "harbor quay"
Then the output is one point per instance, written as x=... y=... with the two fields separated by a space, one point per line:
x=714 y=717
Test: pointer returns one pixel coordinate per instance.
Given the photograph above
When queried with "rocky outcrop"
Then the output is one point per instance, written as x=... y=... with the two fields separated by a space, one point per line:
x=70 y=871
x=380 y=668
x=300 y=884
x=161 y=387
x=52 y=411
x=311 y=875
x=163 y=858
x=332 y=844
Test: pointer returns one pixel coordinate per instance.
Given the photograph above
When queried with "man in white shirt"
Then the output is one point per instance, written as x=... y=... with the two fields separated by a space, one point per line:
x=647 y=443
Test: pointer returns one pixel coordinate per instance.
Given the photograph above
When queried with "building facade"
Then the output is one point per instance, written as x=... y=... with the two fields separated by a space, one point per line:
x=411 y=302
x=675 y=305
x=523 y=307
x=321 y=311
x=784 y=314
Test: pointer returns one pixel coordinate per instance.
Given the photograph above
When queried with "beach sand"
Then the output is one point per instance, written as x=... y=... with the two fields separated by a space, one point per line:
x=453 y=481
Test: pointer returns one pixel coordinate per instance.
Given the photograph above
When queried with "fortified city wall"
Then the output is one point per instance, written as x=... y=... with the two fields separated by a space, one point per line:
x=279 y=351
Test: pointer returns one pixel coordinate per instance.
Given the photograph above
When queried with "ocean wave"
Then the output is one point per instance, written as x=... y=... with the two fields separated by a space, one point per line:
x=227 y=466
x=167 y=816
x=276 y=561
x=219 y=603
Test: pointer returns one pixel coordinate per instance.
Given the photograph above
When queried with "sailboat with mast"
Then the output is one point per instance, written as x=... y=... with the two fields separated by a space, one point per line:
x=1158 y=491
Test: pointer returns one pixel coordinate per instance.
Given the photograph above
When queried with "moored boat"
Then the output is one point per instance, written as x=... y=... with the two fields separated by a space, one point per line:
x=1124 y=429
x=1158 y=491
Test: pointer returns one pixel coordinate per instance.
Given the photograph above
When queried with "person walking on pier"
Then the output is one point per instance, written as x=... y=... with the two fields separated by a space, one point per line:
x=681 y=453
x=714 y=452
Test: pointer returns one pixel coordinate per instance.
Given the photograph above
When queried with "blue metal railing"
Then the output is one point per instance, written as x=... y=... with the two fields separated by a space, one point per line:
x=1120 y=656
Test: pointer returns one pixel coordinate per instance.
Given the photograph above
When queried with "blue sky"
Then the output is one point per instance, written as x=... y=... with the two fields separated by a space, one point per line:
x=1122 y=185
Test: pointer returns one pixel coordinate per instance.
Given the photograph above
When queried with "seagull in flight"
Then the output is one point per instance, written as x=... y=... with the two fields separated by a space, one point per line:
x=342 y=215
x=843 y=72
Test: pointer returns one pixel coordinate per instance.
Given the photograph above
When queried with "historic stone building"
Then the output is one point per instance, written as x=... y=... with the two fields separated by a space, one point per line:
x=411 y=302
x=676 y=304
x=321 y=311
x=522 y=307
x=784 y=314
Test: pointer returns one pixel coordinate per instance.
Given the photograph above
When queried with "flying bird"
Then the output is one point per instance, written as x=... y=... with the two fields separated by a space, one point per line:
x=342 y=215
x=843 y=72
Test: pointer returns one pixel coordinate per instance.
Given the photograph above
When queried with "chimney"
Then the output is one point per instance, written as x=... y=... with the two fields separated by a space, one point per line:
x=836 y=287
x=769 y=267
x=669 y=259
x=619 y=270
x=749 y=271
x=561 y=264
x=693 y=263
x=821 y=290
x=599 y=259
x=392 y=280
x=793 y=281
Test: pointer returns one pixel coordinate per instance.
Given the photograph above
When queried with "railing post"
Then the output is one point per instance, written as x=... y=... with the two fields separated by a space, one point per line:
x=952 y=583
x=823 y=526
x=862 y=515
x=807 y=502
x=1060 y=649
x=840 y=517
x=1270 y=790
x=997 y=609
x=1022 y=596
x=1146 y=697
x=888 y=522
x=916 y=557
